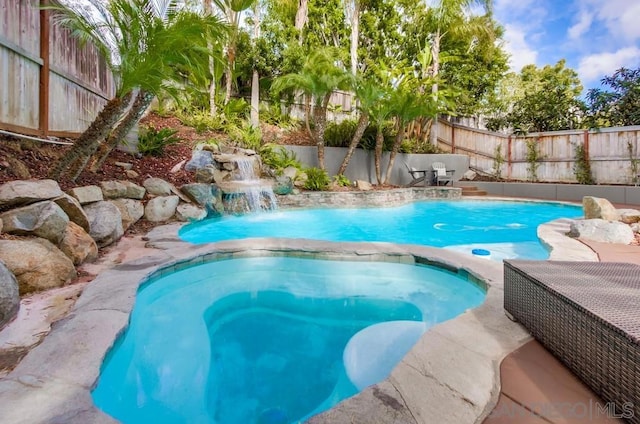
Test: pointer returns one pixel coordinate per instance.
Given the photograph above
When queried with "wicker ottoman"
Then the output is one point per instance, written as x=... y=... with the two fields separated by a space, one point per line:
x=588 y=315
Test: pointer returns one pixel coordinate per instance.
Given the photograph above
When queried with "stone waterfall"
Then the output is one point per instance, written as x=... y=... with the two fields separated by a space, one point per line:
x=246 y=192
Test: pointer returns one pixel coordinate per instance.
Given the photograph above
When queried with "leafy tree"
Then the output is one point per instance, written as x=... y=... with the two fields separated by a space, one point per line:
x=369 y=94
x=545 y=99
x=141 y=49
x=618 y=106
x=317 y=80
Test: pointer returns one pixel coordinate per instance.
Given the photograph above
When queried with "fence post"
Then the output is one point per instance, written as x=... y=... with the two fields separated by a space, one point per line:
x=43 y=102
x=509 y=157
x=453 y=139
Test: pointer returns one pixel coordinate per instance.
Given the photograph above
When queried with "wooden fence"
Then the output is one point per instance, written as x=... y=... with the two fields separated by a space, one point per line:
x=49 y=85
x=612 y=152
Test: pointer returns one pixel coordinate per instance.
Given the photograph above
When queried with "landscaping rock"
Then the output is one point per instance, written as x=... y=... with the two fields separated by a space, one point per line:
x=73 y=209
x=206 y=174
x=157 y=186
x=87 y=194
x=283 y=185
x=189 y=212
x=130 y=173
x=131 y=211
x=635 y=227
x=122 y=189
x=37 y=264
x=470 y=175
x=300 y=180
x=364 y=185
x=24 y=192
x=220 y=175
x=602 y=230
x=199 y=159
x=124 y=165
x=206 y=195
x=105 y=222
x=291 y=172
x=9 y=296
x=599 y=208
x=161 y=208
x=629 y=216
x=78 y=245
x=44 y=219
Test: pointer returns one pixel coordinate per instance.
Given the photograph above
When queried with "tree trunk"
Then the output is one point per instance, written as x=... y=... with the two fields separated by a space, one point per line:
x=320 y=121
x=140 y=105
x=213 y=111
x=355 y=35
x=363 y=122
x=89 y=140
x=394 y=151
x=378 y=153
x=228 y=75
x=435 y=54
x=255 y=78
x=301 y=18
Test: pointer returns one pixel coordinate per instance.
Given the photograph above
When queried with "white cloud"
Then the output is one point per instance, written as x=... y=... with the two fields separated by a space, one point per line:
x=582 y=26
x=594 y=67
x=621 y=17
x=518 y=48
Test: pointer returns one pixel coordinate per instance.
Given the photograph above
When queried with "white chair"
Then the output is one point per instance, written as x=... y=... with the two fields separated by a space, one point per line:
x=442 y=174
x=418 y=176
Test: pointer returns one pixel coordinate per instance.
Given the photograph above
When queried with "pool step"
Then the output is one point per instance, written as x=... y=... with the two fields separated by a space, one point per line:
x=472 y=191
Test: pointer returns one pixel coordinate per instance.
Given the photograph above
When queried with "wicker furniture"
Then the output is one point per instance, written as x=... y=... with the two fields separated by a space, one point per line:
x=588 y=315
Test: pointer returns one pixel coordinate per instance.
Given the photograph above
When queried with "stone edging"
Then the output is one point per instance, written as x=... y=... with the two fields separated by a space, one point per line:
x=450 y=376
x=345 y=199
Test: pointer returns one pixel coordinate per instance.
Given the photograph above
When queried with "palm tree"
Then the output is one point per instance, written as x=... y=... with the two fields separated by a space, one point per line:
x=449 y=16
x=319 y=77
x=406 y=106
x=369 y=94
x=142 y=41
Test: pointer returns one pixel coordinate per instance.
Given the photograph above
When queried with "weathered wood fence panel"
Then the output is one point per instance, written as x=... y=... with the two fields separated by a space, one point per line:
x=49 y=85
x=610 y=152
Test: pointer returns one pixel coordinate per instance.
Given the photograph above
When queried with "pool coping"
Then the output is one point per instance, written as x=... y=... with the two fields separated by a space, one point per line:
x=450 y=376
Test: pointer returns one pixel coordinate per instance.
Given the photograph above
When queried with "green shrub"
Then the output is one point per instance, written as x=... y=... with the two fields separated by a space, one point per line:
x=582 y=165
x=245 y=135
x=340 y=134
x=152 y=141
x=317 y=179
x=278 y=158
x=201 y=120
x=272 y=114
x=368 y=141
x=342 y=181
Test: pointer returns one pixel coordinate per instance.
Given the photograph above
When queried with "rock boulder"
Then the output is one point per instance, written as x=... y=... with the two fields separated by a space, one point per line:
x=43 y=219
x=161 y=208
x=37 y=264
x=602 y=230
x=24 y=192
x=283 y=185
x=120 y=189
x=105 y=222
x=131 y=211
x=78 y=245
x=629 y=216
x=87 y=194
x=157 y=186
x=599 y=208
x=190 y=212
x=9 y=296
x=208 y=196
x=73 y=209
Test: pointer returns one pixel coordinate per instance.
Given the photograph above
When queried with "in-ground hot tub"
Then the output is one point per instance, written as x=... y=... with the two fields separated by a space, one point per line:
x=270 y=339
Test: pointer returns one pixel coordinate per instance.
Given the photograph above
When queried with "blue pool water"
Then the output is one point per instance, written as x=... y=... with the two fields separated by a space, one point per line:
x=507 y=229
x=270 y=340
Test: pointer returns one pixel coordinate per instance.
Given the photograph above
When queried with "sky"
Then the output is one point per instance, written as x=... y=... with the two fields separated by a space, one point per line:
x=596 y=37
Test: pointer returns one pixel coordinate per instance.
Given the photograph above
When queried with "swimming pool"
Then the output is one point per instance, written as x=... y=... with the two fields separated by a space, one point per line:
x=507 y=228
x=270 y=339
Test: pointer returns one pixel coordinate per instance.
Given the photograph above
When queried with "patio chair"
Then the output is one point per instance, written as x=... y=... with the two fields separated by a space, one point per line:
x=419 y=176
x=442 y=174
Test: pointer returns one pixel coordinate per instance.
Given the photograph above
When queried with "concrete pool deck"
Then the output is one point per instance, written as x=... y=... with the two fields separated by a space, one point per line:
x=450 y=376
